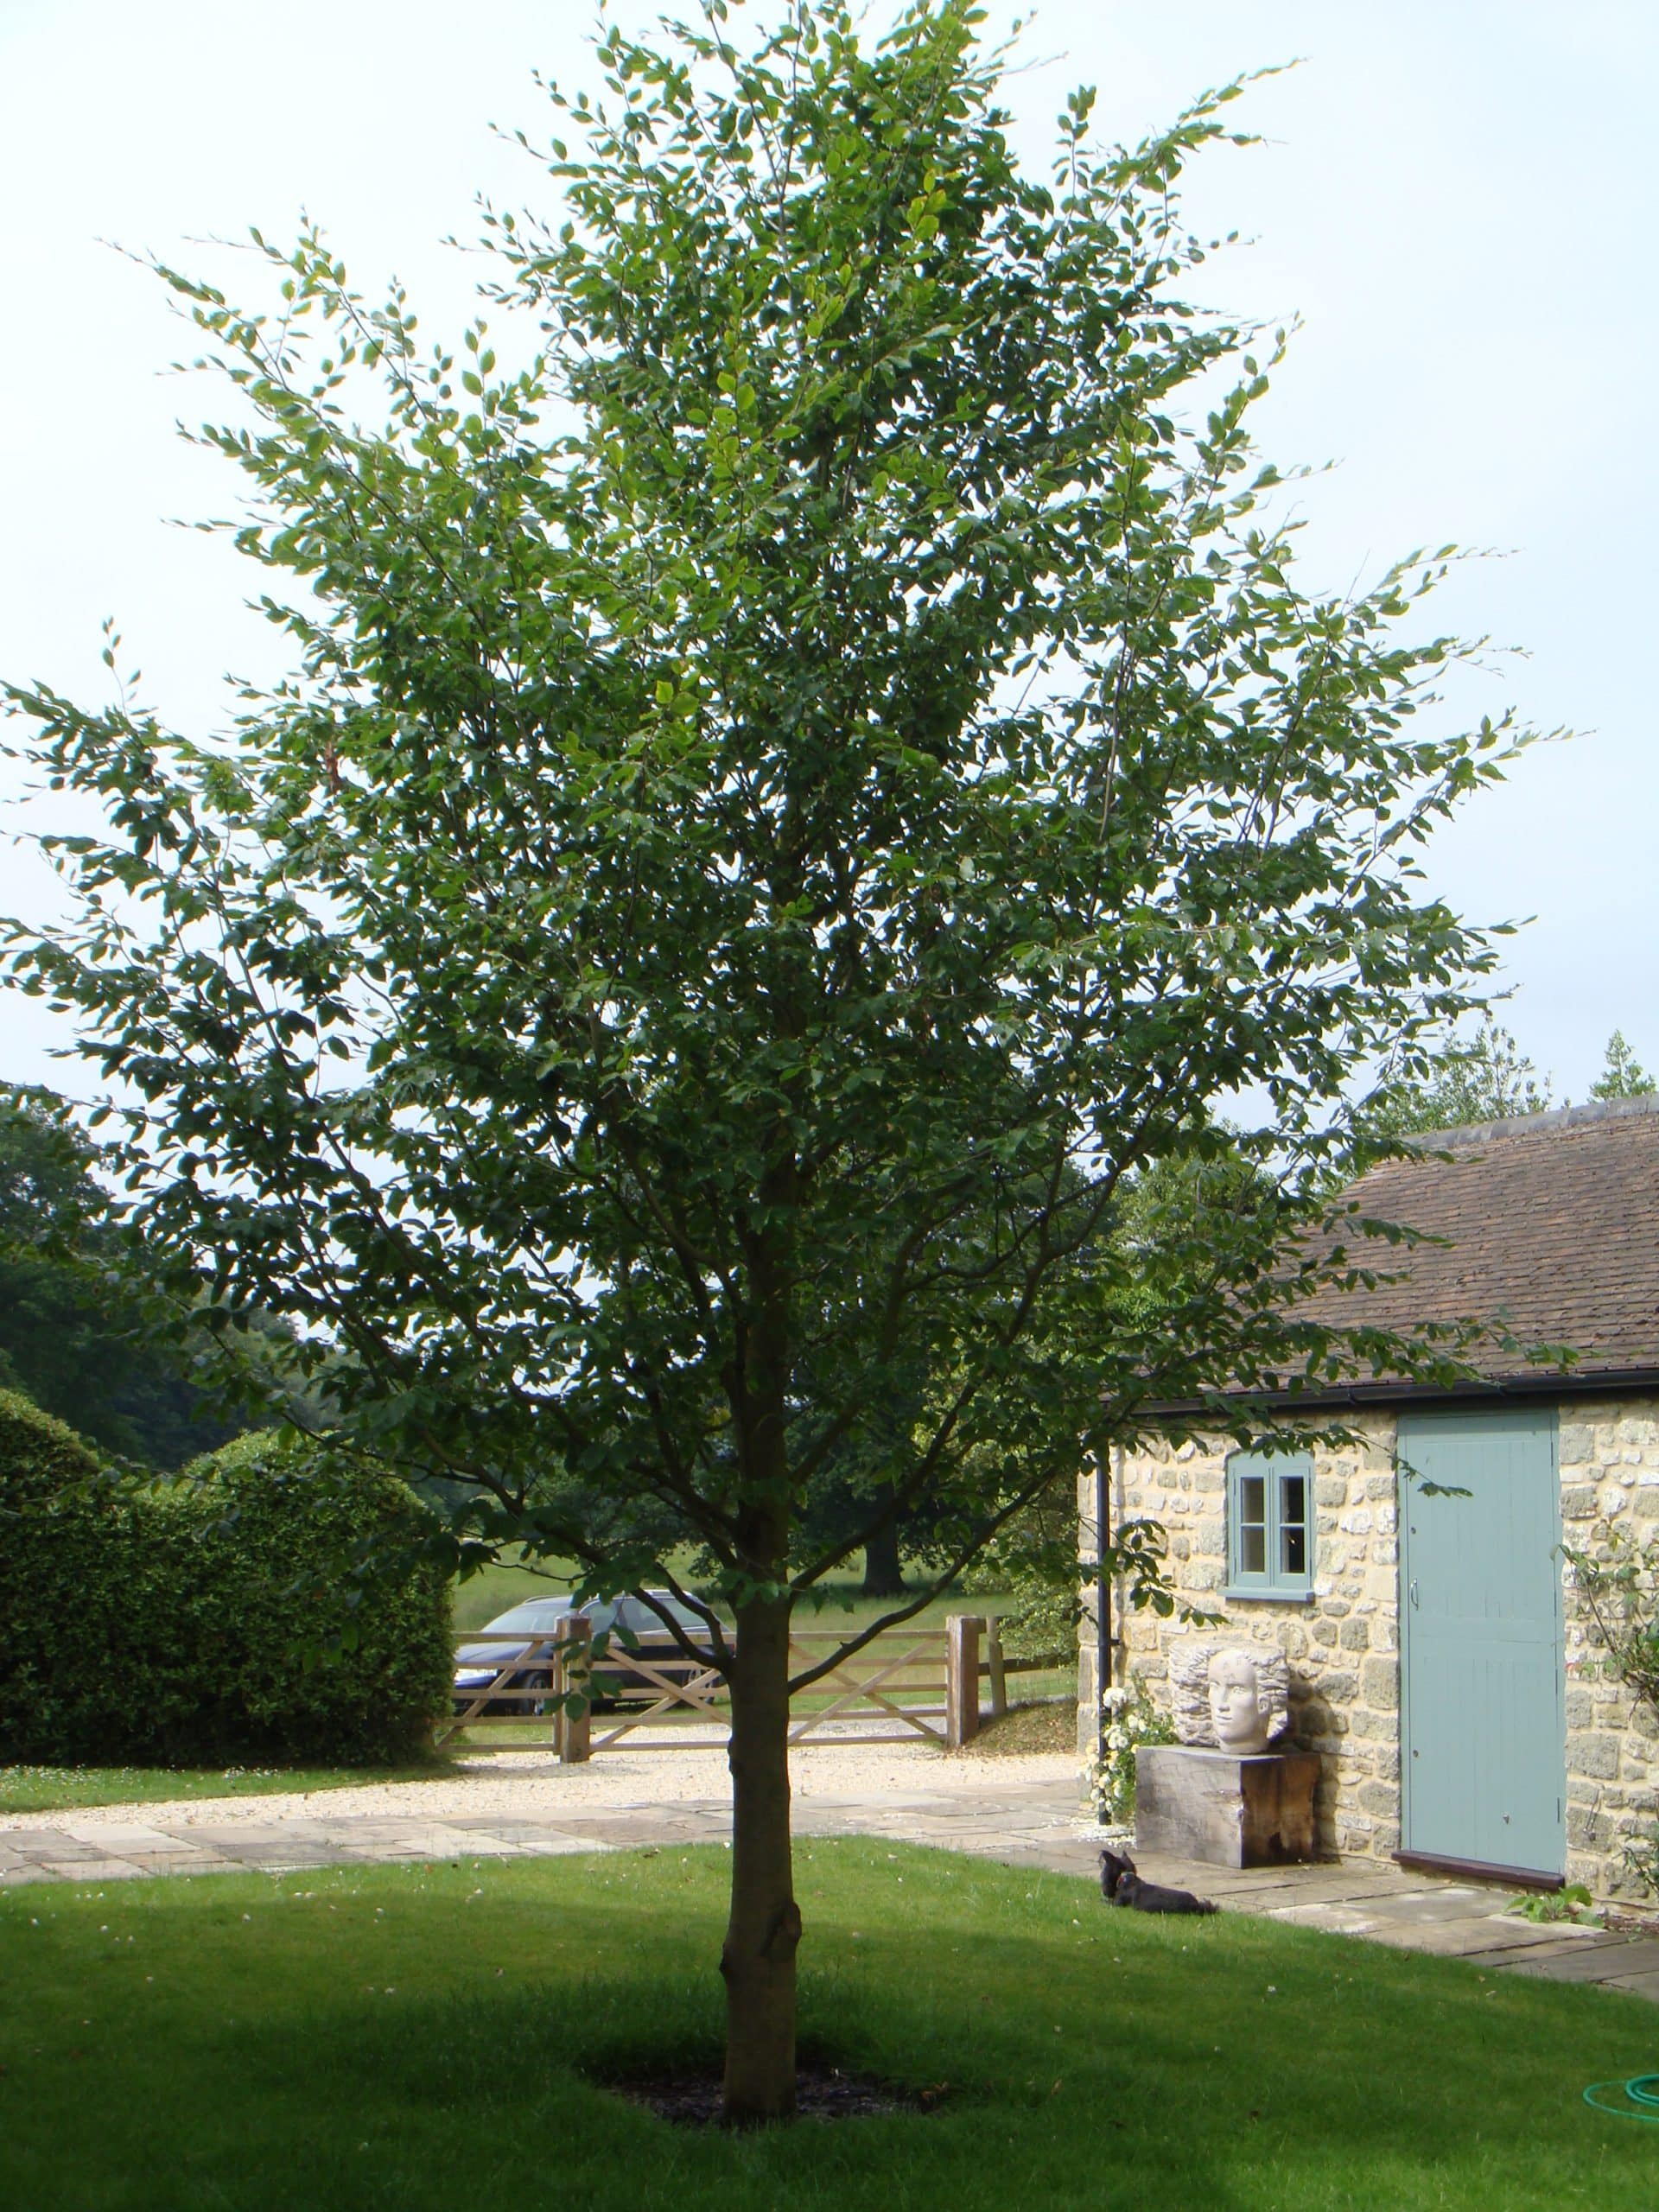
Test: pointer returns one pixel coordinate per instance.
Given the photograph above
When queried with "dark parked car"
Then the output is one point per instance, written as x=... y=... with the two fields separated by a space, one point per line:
x=633 y=1630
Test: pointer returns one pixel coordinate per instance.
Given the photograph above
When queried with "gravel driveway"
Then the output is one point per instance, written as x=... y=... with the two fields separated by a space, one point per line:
x=533 y=1786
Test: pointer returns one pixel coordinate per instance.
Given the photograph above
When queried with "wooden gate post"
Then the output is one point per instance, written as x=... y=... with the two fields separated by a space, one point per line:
x=573 y=1671
x=962 y=1679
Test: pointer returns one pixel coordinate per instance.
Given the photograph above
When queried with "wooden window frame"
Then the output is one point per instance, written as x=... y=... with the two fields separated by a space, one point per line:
x=1272 y=1578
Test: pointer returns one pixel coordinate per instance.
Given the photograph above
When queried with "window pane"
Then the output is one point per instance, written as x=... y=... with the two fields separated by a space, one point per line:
x=536 y=1613
x=1292 y=1551
x=1250 y=1501
x=1293 y=1499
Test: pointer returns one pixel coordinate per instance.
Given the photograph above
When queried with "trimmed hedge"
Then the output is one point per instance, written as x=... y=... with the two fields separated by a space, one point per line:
x=269 y=1604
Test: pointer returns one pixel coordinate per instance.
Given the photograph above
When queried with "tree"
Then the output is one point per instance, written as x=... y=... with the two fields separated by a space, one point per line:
x=75 y=1335
x=1621 y=1078
x=1461 y=1083
x=1170 y=1216
x=851 y=1494
x=785 y=800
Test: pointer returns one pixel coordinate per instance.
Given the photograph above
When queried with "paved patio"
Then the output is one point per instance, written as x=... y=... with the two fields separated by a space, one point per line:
x=1021 y=1824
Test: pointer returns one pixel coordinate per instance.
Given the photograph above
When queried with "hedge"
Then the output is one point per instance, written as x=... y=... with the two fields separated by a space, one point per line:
x=269 y=1604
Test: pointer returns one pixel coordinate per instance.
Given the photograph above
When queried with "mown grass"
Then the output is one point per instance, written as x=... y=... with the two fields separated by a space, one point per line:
x=837 y=1605
x=427 y=2037
x=69 y=1788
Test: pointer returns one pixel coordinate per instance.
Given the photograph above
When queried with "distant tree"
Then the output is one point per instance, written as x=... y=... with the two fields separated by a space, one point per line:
x=1174 y=1212
x=1485 y=1077
x=1170 y=1219
x=788 y=796
x=78 y=1329
x=854 y=1496
x=1621 y=1077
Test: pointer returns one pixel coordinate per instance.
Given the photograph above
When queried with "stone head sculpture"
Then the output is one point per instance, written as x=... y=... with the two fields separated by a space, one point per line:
x=1232 y=1697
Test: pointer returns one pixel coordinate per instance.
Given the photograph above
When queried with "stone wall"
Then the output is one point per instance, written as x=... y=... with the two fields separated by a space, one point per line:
x=1342 y=1642
x=1609 y=1477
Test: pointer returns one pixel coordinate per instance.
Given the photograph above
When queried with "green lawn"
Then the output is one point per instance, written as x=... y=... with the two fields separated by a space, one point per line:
x=492 y=1589
x=413 y=2037
x=64 y=1789
x=841 y=1607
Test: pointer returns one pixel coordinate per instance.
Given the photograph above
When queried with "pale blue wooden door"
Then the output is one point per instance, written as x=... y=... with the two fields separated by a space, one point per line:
x=1482 y=1685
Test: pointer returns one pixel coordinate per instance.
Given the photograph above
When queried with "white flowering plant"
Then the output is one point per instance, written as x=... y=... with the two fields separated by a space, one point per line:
x=1131 y=1719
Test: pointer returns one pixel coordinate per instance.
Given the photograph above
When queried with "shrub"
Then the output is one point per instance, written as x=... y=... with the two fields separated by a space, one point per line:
x=1617 y=1576
x=1033 y=1562
x=70 y=1583
x=1132 y=1719
x=270 y=1603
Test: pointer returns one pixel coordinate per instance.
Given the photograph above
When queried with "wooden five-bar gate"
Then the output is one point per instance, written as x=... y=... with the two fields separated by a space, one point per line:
x=903 y=1685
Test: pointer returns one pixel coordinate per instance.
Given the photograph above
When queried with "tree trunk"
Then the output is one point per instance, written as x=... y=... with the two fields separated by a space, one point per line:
x=884 y=1577
x=758 y=1959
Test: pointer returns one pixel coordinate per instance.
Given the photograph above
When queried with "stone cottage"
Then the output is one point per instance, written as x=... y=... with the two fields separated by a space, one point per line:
x=1441 y=1663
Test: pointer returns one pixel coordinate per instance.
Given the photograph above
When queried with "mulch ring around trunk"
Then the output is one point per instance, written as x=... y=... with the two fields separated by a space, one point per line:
x=693 y=2098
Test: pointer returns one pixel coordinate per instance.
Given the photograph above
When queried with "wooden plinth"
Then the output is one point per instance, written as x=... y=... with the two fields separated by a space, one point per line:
x=1223 y=1809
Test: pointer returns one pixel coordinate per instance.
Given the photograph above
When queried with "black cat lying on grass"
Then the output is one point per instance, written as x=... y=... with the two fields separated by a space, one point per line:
x=1120 y=1884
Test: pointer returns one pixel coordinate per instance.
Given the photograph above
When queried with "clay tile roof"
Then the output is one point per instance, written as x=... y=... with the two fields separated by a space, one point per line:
x=1552 y=1225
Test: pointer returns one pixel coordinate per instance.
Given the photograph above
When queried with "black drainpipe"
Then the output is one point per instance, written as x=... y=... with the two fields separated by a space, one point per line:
x=1103 y=1605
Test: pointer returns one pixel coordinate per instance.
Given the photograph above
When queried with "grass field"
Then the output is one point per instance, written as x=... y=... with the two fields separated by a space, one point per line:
x=64 y=1788
x=424 y=2038
x=840 y=1604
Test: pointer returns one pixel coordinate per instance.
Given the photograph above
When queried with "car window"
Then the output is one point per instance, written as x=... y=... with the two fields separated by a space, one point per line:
x=653 y=1621
x=632 y=1617
x=539 y=1613
x=683 y=1614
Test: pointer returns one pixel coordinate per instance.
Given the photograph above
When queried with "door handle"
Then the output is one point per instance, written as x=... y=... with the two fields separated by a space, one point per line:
x=1411 y=1593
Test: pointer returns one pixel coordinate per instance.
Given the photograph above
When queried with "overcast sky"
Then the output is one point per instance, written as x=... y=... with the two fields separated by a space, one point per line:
x=1457 y=198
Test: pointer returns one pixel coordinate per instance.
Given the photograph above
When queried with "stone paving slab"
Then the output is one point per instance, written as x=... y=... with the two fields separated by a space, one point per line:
x=1542 y=1957
x=87 y=1871
x=35 y=1838
x=1419 y=1909
x=1445 y=1938
x=624 y=1835
x=1499 y=1942
x=141 y=1839
x=1599 y=1962
x=1333 y=1919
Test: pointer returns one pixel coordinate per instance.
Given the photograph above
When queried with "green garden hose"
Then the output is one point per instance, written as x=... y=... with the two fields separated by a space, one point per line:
x=1640 y=2093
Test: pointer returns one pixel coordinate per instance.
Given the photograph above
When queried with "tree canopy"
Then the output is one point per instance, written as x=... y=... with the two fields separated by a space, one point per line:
x=1464 y=1081
x=75 y=1338
x=1622 y=1074
x=797 y=781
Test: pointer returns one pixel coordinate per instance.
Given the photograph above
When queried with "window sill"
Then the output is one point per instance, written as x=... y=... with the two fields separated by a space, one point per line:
x=1258 y=1596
